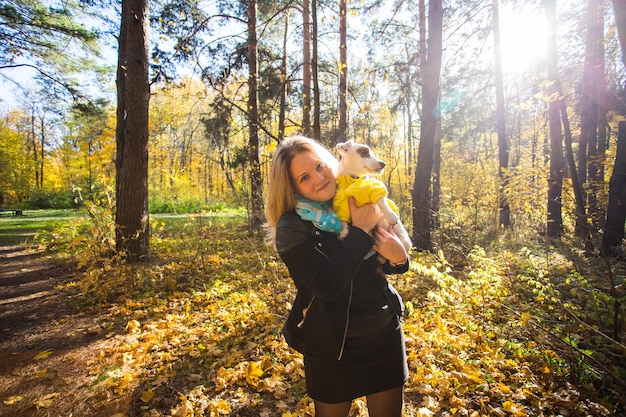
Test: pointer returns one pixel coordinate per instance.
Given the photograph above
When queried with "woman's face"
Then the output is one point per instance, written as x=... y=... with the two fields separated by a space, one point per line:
x=313 y=179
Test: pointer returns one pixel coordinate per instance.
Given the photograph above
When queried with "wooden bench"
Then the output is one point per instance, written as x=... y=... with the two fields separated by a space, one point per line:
x=16 y=212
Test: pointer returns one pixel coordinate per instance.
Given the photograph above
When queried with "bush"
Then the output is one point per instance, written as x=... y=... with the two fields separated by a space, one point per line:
x=63 y=199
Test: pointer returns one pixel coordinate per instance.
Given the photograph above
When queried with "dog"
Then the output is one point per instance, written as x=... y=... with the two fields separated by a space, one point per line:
x=356 y=163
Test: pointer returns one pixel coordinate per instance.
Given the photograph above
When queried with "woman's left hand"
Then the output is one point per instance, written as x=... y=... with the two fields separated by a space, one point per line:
x=387 y=244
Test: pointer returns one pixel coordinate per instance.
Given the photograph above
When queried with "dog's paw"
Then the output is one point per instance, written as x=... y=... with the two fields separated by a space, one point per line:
x=344 y=231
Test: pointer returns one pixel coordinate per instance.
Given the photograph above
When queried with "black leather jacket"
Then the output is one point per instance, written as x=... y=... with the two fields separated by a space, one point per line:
x=325 y=272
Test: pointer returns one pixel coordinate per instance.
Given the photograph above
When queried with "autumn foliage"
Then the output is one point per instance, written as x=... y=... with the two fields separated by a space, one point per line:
x=508 y=330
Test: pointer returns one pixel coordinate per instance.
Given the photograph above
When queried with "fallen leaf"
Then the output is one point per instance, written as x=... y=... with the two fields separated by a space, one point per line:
x=43 y=355
x=147 y=395
x=14 y=399
x=47 y=400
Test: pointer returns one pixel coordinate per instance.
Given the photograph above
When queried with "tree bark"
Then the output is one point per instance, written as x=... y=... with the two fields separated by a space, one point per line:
x=342 y=133
x=619 y=7
x=503 y=145
x=554 y=220
x=616 y=209
x=431 y=71
x=256 y=180
x=317 y=128
x=306 y=68
x=284 y=83
x=131 y=161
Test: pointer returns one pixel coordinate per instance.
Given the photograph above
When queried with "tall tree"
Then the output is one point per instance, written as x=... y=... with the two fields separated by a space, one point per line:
x=342 y=134
x=132 y=234
x=554 y=226
x=284 y=81
x=503 y=144
x=306 y=67
x=616 y=210
x=588 y=150
x=431 y=71
x=256 y=180
x=317 y=128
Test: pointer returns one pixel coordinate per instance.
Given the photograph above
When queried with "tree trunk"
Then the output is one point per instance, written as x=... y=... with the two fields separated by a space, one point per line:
x=431 y=71
x=306 y=68
x=616 y=209
x=284 y=83
x=342 y=134
x=589 y=116
x=317 y=129
x=554 y=226
x=619 y=7
x=256 y=180
x=503 y=145
x=131 y=161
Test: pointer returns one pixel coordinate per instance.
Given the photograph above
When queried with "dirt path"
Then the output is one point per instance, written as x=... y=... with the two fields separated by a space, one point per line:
x=36 y=316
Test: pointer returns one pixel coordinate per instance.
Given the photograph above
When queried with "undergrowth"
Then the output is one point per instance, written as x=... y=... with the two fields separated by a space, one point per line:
x=497 y=331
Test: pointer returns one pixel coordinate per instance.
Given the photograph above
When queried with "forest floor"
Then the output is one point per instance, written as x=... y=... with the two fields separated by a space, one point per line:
x=37 y=320
x=195 y=332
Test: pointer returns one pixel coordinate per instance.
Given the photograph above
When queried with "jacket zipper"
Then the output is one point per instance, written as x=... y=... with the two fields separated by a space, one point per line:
x=304 y=312
x=345 y=330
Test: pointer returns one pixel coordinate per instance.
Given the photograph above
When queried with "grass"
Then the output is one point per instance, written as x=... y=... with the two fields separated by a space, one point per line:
x=15 y=230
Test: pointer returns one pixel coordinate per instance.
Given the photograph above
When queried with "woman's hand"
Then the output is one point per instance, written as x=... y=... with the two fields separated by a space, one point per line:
x=365 y=217
x=387 y=244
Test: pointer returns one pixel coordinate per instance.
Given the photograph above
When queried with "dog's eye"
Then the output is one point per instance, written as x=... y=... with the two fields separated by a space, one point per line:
x=364 y=152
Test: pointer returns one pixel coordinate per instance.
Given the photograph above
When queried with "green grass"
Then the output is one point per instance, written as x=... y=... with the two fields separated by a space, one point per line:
x=15 y=230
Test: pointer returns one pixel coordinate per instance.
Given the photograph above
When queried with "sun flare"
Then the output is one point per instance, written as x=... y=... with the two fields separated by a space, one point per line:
x=523 y=33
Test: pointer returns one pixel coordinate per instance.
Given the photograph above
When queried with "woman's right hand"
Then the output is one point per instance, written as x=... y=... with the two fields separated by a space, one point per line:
x=365 y=217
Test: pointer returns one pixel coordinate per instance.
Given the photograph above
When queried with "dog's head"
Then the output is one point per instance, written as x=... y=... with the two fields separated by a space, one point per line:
x=358 y=160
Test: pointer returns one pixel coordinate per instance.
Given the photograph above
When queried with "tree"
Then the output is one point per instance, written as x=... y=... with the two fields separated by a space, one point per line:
x=306 y=67
x=256 y=180
x=616 y=209
x=554 y=226
x=132 y=233
x=342 y=134
x=503 y=145
x=431 y=69
x=47 y=38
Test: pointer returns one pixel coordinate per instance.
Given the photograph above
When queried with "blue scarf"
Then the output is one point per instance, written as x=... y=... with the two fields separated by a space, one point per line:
x=321 y=215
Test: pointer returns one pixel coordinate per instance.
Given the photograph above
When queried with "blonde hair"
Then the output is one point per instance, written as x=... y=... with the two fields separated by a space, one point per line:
x=281 y=194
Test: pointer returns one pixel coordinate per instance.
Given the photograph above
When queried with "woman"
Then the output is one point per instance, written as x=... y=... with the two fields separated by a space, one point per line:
x=345 y=317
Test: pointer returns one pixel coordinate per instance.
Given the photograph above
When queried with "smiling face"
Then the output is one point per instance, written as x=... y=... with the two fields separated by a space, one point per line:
x=312 y=178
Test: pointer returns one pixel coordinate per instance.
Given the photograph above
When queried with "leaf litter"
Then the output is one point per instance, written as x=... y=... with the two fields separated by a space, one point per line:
x=196 y=332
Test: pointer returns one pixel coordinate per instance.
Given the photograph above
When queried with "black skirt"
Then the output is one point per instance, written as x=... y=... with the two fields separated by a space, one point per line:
x=372 y=363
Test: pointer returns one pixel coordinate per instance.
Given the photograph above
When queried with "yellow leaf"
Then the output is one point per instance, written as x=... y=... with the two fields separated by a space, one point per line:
x=222 y=407
x=43 y=355
x=13 y=399
x=254 y=373
x=41 y=373
x=47 y=400
x=147 y=395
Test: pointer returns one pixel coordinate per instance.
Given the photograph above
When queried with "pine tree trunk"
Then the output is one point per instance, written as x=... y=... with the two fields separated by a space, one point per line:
x=306 y=68
x=317 y=128
x=342 y=134
x=256 y=181
x=616 y=209
x=431 y=71
x=131 y=161
x=554 y=220
x=503 y=145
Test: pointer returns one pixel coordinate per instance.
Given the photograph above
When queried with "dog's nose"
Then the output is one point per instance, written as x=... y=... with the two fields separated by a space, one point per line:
x=382 y=164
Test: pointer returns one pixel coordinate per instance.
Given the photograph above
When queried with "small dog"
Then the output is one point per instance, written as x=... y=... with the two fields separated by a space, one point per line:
x=357 y=162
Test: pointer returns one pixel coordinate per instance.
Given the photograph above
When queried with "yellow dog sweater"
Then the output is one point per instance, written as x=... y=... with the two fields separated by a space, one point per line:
x=364 y=190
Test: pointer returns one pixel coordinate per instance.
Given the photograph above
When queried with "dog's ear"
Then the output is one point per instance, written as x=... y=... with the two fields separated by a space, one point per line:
x=344 y=146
